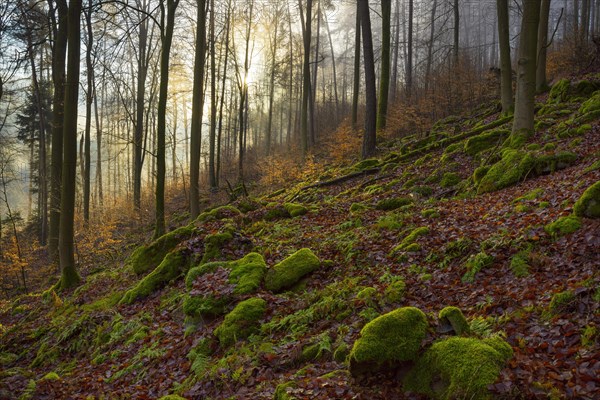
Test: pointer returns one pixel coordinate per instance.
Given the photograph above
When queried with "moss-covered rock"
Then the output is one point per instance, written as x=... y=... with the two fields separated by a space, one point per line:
x=485 y=141
x=213 y=244
x=358 y=207
x=588 y=204
x=559 y=92
x=391 y=338
x=453 y=318
x=549 y=163
x=563 y=225
x=449 y=179
x=295 y=210
x=459 y=368
x=276 y=211
x=212 y=286
x=146 y=258
x=173 y=265
x=218 y=213
x=289 y=271
x=393 y=203
x=410 y=239
x=366 y=164
x=241 y=322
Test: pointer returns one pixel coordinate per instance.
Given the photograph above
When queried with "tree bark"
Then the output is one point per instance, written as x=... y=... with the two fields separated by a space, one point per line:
x=430 y=45
x=69 y=276
x=506 y=93
x=541 y=83
x=384 y=76
x=306 y=33
x=369 y=138
x=89 y=98
x=212 y=135
x=524 y=102
x=409 y=58
x=456 y=31
x=356 y=86
x=197 y=105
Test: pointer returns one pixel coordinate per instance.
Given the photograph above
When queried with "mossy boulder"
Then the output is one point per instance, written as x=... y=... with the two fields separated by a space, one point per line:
x=459 y=368
x=213 y=244
x=563 y=225
x=549 y=163
x=295 y=210
x=219 y=213
x=452 y=318
x=289 y=271
x=146 y=258
x=588 y=204
x=393 y=203
x=449 y=179
x=487 y=140
x=241 y=322
x=173 y=265
x=368 y=163
x=212 y=286
x=389 y=339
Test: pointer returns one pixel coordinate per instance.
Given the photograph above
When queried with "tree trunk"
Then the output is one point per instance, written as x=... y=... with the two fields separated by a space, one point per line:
x=70 y=277
x=541 y=83
x=335 y=85
x=222 y=100
x=394 y=82
x=197 y=105
x=524 y=102
x=273 y=54
x=409 y=58
x=356 y=87
x=306 y=33
x=456 y=31
x=506 y=93
x=430 y=45
x=212 y=135
x=58 y=77
x=384 y=76
x=166 y=40
x=369 y=138
x=88 y=114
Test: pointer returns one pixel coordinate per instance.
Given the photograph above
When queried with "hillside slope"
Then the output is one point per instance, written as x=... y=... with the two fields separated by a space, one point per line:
x=464 y=216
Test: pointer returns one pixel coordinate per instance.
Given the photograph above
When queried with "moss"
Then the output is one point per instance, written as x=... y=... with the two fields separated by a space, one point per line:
x=341 y=352
x=410 y=239
x=45 y=355
x=218 y=213
x=295 y=210
x=559 y=91
x=51 y=376
x=595 y=166
x=413 y=247
x=146 y=258
x=213 y=244
x=457 y=368
x=561 y=301
x=475 y=264
x=207 y=306
x=587 y=117
x=583 y=129
x=485 y=141
x=174 y=264
x=289 y=271
x=248 y=204
x=533 y=147
x=563 y=225
x=519 y=264
x=394 y=292
x=591 y=104
x=517 y=139
x=454 y=317
x=588 y=205
x=589 y=336
x=424 y=191
x=449 y=179
x=430 y=213
x=479 y=173
x=7 y=358
x=276 y=211
x=358 y=207
x=241 y=322
x=549 y=163
x=549 y=146
x=367 y=295
x=172 y=397
x=392 y=203
x=394 y=337
x=513 y=166
x=282 y=392
x=247 y=273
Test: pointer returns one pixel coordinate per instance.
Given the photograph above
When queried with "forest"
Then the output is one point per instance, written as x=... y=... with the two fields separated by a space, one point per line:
x=311 y=199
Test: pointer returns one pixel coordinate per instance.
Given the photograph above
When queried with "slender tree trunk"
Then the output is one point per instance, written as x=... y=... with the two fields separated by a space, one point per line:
x=306 y=33
x=197 y=105
x=409 y=58
x=58 y=77
x=243 y=111
x=212 y=135
x=456 y=31
x=541 y=83
x=430 y=45
x=99 y=124
x=524 y=103
x=70 y=277
x=312 y=117
x=506 y=93
x=356 y=87
x=335 y=85
x=222 y=99
x=369 y=138
x=88 y=114
x=384 y=76
x=273 y=55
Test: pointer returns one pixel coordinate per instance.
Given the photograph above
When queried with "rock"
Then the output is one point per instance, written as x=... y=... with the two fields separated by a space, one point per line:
x=289 y=271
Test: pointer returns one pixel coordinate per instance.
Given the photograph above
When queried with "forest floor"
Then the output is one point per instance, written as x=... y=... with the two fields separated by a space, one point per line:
x=538 y=290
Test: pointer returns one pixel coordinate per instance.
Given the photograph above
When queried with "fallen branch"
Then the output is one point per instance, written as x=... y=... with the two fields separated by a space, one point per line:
x=336 y=181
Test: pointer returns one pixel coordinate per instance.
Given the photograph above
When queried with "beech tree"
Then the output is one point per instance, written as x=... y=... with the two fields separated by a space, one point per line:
x=506 y=93
x=384 y=76
x=369 y=137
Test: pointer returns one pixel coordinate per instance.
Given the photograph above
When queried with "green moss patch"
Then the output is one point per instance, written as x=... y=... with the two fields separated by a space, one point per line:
x=219 y=213
x=363 y=165
x=394 y=292
x=410 y=239
x=393 y=203
x=475 y=264
x=519 y=264
x=146 y=258
x=559 y=92
x=588 y=204
x=173 y=265
x=453 y=318
x=289 y=271
x=295 y=210
x=487 y=140
x=561 y=301
x=212 y=286
x=241 y=322
x=459 y=368
x=213 y=244
x=449 y=179
x=392 y=338
x=563 y=225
